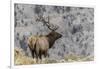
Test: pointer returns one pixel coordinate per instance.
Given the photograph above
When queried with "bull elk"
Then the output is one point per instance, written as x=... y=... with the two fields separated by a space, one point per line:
x=39 y=45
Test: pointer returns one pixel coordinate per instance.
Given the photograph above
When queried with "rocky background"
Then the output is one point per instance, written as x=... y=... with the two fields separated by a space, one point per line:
x=76 y=24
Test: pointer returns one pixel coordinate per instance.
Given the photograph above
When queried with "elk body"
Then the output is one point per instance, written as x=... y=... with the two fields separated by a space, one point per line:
x=39 y=45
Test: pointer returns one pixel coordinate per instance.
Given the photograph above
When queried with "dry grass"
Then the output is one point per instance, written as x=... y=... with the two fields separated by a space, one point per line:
x=21 y=59
x=73 y=58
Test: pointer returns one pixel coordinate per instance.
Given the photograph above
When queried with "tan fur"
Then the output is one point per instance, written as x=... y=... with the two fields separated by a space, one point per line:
x=42 y=44
x=32 y=41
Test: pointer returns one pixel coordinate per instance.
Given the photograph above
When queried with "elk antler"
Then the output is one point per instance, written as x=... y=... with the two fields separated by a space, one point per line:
x=50 y=26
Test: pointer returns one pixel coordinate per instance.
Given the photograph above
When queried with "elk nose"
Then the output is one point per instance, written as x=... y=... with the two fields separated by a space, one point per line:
x=60 y=35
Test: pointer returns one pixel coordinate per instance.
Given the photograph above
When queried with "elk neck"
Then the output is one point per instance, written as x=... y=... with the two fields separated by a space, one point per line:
x=51 y=40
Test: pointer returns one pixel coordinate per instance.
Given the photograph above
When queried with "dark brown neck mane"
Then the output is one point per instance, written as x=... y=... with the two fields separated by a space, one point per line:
x=51 y=40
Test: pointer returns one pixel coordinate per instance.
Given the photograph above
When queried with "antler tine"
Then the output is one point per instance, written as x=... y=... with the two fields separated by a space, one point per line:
x=55 y=28
x=51 y=26
x=47 y=23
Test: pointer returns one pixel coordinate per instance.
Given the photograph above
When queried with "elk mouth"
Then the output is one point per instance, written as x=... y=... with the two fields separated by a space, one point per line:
x=60 y=36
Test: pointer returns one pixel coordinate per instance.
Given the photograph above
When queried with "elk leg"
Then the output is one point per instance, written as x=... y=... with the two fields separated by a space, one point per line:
x=37 y=57
x=45 y=54
x=40 y=54
x=32 y=53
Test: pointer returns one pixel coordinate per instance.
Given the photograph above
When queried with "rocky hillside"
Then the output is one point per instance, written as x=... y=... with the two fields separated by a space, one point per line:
x=76 y=24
